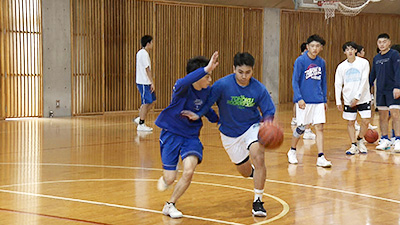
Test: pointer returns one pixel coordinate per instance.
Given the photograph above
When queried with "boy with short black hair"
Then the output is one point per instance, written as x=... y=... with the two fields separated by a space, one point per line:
x=179 y=135
x=240 y=99
x=351 y=78
x=309 y=87
x=386 y=71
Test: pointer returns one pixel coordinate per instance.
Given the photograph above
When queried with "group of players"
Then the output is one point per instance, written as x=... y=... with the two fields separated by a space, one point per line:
x=240 y=99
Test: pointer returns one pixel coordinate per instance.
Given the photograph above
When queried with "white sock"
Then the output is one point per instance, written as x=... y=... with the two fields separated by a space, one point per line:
x=258 y=194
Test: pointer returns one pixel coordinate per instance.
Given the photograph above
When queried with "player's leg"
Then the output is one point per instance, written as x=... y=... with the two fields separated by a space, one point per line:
x=365 y=113
x=259 y=176
x=350 y=115
x=169 y=149
x=383 y=107
x=148 y=100
x=300 y=129
x=395 y=113
x=317 y=113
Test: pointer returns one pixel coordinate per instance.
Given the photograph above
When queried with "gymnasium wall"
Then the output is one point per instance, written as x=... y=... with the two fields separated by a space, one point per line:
x=296 y=26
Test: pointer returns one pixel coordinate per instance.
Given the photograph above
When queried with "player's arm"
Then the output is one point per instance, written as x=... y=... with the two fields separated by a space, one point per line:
x=297 y=72
x=372 y=74
x=267 y=106
x=338 y=88
x=396 y=70
x=150 y=76
x=212 y=116
x=364 y=85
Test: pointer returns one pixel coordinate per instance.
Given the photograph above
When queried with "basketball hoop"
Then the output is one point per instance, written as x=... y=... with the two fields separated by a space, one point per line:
x=329 y=8
x=345 y=7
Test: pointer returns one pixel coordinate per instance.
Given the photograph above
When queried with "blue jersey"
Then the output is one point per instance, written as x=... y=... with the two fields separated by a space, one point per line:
x=309 y=80
x=386 y=71
x=239 y=106
x=185 y=97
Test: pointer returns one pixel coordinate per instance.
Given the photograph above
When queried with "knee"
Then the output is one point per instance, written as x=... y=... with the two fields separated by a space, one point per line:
x=169 y=179
x=188 y=174
x=351 y=123
x=299 y=131
x=319 y=127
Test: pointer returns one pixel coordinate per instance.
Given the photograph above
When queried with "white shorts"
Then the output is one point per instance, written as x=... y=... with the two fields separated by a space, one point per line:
x=351 y=113
x=312 y=114
x=238 y=147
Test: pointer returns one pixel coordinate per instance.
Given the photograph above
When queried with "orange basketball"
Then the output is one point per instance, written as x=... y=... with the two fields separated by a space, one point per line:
x=270 y=135
x=371 y=136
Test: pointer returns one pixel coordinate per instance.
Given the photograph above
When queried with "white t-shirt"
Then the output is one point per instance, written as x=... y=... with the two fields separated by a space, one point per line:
x=352 y=80
x=142 y=62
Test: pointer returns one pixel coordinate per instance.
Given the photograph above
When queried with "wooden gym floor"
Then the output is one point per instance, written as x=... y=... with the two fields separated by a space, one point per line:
x=99 y=170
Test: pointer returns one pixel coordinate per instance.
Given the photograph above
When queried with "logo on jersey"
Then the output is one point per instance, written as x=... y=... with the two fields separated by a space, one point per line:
x=197 y=104
x=241 y=101
x=352 y=75
x=314 y=72
x=382 y=61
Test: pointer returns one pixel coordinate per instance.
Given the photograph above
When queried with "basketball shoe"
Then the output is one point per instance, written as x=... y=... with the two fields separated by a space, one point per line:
x=258 y=208
x=322 y=162
x=352 y=150
x=161 y=185
x=384 y=144
x=361 y=146
x=397 y=146
x=170 y=210
x=292 y=158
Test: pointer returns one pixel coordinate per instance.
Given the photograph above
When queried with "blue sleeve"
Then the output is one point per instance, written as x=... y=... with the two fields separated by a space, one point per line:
x=323 y=82
x=215 y=93
x=182 y=85
x=372 y=75
x=396 y=69
x=297 y=71
x=266 y=104
x=212 y=116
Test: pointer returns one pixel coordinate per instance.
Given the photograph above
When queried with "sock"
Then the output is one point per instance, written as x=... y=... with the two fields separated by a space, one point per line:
x=291 y=148
x=393 y=134
x=355 y=143
x=141 y=121
x=258 y=194
x=252 y=171
x=320 y=154
x=359 y=138
x=385 y=137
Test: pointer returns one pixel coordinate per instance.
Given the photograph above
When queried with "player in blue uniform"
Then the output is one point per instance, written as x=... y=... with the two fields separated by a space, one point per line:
x=179 y=135
x=240 y=98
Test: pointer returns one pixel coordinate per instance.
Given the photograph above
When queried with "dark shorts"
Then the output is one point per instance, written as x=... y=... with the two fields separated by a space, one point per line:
x=386 y=99
x=146 y=95
x=172 y=145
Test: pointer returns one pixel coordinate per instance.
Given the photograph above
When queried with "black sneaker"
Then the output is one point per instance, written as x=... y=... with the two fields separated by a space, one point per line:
x=258 y=208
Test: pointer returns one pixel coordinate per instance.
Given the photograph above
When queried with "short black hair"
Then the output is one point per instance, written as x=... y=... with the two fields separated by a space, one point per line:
x=243 y=58
x=316 y=38
x=359 y=48
x=195 y=63
x=383 y=35
x=349 y=43
x=396 y=47
x=145 y=39
x=303 y=47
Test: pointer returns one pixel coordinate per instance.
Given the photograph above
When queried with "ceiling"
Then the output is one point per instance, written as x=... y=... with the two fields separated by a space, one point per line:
x=384 y=6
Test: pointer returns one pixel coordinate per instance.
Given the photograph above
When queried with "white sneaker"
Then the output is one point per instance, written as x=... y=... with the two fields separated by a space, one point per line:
x=309 y=135
x=361 y=146
x=143 y=127
x=322 y=162
x=161 y=185
x=137 y=120
x=352 y=150
x=392 y=140
x=292 y=156
x=170 y=210
x=372 y=127
x=357 y=126
x=396 y=146
x=293 y=122
x=384 y=144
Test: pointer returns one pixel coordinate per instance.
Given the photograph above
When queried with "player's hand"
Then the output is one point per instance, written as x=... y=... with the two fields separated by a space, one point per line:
x=340 y=107
x=326 y=106
x=213 y=63
x=302 y=104
x=152 y=87
x=396 y=93
x=189 y=114
x=353 y=103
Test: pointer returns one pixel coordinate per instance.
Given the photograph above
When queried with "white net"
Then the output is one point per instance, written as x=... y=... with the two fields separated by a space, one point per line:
x=346 y=7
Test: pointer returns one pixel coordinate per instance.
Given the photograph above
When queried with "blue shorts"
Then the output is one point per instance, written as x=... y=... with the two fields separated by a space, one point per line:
x=146 y=95
x=386 y=99
x=172 y=145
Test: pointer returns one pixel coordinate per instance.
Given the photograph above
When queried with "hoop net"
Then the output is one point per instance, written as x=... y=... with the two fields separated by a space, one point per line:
x=346 y=7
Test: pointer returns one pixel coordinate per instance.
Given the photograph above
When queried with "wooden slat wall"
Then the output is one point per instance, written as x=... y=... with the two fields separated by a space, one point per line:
x=297 y=26
x=21 y=59
x=87 y=57
x=180 y=31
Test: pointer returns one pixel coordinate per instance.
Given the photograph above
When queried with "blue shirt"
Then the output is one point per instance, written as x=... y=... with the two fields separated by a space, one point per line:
x=239 y=106
x=309 y=80
x=386 y=71
x=185 y=97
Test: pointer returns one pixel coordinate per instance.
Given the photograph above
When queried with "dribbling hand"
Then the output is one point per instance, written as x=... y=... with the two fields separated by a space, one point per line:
x=189 y=114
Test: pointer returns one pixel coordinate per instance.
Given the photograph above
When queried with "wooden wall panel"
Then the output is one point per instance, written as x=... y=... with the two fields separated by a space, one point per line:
x=21 y=59
x=253 y=38
x=297 y=26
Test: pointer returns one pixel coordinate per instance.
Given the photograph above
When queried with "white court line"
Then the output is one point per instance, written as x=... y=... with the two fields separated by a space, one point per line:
x=103 y=203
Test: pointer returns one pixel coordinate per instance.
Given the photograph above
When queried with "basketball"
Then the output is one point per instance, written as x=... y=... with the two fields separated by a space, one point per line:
x=270 y=135
x=371 y=136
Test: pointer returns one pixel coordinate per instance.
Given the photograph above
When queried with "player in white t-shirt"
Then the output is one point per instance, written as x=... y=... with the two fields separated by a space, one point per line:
x=351 y=79
x=144 y=82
